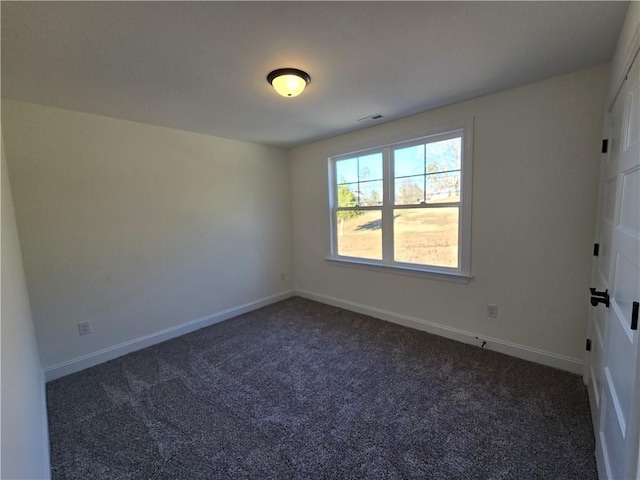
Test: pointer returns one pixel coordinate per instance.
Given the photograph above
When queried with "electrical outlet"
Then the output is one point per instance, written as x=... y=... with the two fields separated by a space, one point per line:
x=84 y=328
x=492 y=311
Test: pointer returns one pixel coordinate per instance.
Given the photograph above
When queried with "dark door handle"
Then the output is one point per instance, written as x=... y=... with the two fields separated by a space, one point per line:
x=634 y=316
x=599 y=297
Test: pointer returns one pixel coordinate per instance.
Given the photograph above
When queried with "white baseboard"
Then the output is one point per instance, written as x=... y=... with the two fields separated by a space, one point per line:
x=80 y=363
x=562 y=362
x=46 y=461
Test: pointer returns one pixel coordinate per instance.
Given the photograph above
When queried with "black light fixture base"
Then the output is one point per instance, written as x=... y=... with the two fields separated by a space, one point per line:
x=288 y=71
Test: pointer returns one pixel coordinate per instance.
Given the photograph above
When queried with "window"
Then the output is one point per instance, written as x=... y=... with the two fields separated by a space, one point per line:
x=405 y=205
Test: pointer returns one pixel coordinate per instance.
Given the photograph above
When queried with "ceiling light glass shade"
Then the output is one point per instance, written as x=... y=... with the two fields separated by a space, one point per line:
x=289 y=82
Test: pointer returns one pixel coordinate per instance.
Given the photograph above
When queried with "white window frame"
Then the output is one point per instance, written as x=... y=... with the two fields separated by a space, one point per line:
x=462 y=274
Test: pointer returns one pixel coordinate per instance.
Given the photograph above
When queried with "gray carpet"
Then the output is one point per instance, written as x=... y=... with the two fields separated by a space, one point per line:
x=302 y=390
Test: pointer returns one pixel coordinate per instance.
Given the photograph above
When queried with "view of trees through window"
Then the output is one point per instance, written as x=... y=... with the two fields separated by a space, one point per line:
x=425 y=208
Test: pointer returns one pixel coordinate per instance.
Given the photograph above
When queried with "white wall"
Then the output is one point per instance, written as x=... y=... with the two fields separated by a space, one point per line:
x=138 y=228
x=536 y=150
x=24 y=439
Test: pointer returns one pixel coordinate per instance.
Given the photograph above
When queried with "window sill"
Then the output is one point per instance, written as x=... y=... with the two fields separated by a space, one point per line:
x=401 y=270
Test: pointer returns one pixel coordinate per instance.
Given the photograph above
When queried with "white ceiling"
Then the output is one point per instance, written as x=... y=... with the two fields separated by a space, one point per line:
x=201 y=66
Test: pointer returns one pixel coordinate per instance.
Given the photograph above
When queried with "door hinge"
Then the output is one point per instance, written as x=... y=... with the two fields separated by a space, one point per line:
x=596 y=249
x=588 y=345
x=605 y=145
x=634 y=316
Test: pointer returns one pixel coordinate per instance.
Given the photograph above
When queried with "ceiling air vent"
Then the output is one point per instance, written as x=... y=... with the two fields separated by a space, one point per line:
x=375 y=116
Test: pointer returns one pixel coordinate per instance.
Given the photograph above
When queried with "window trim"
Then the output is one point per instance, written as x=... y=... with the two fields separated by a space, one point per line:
x=462 y=274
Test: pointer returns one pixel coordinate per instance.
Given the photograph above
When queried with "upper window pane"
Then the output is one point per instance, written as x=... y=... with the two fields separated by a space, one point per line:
x=431 y=188
x=428 y=172
x=359 y=169
x=443 y=187
x=410 y=190
x=443 y=156
x=409 y=161
x=347 y=195
x=433 y=157
x=370 y=167
x=370 y=193
x=347 y=170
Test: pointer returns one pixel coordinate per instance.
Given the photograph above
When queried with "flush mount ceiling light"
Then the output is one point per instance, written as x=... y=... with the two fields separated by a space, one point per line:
x=288 y=82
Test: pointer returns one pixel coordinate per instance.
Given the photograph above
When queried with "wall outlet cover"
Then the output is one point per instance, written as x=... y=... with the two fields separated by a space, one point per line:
x=84 y=328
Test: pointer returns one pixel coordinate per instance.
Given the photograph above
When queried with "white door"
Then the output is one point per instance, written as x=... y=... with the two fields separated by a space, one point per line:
x=614 y=362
